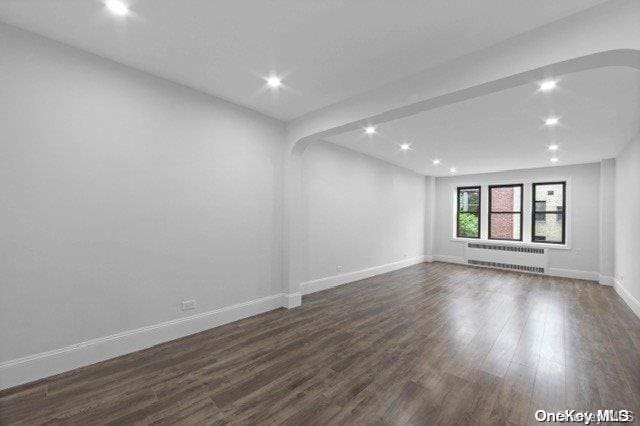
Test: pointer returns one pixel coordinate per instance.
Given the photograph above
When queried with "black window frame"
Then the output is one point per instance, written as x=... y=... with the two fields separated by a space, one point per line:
x=462 y=188
x=556 y=212
x=521 y=212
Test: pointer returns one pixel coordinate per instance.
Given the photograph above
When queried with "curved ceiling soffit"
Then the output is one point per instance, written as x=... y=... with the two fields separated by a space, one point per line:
x=619 y=57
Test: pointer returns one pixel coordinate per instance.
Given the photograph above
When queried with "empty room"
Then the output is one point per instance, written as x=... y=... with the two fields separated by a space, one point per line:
x=319 y=212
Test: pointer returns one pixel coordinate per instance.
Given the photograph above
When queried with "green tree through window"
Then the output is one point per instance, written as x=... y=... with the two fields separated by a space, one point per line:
x=468 y=212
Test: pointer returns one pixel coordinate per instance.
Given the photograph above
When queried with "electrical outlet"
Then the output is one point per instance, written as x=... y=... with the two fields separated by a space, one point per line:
x=339 y=268
x=188 y=305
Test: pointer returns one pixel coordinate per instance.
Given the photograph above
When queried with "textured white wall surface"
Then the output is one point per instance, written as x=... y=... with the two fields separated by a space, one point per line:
x=361 y=212
x=123 y=195
x=627 y=239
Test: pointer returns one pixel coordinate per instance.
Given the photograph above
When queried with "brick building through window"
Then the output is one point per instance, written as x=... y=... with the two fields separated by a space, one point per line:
x=505 y=212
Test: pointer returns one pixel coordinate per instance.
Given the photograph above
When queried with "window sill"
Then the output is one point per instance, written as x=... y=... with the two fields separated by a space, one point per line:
x=511 y=243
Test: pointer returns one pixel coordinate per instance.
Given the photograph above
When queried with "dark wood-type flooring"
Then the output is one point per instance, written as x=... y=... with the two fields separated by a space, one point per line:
x=429 y=344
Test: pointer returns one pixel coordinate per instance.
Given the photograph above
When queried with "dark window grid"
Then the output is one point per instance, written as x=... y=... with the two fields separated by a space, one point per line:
x=476 y=213
x=557 y=212
x=519 y=213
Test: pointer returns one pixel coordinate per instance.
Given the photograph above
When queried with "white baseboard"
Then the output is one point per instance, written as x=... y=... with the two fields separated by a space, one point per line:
x=45 y=364
x=572 y=273
x=292 y=300
x=320 y=284
x=605 y=280
x=449 y=259
x=633 y=303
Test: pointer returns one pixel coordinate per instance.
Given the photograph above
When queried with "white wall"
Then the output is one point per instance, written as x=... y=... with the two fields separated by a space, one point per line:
x=360 y=212
x=430 y=218
x=583 y=185
x=123 y=195
x=607 y=220
x=627 y=224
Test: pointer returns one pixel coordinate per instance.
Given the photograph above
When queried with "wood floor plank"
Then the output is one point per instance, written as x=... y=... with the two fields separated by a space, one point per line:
x=433 y=343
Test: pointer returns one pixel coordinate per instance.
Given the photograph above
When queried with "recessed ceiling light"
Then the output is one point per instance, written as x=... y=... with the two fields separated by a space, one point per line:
x=436 y=162
x=405 y=146
x=117 y=7
x=553 y=147
x=551 y=121
x=452 y=170
x=548 y=85
x=274 y=82
x=554 y=159
x=369 y=130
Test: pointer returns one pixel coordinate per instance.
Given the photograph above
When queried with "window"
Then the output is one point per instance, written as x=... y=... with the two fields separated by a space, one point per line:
x=549 y=219
x=541 y=206
x=505 y=212
x=468 y=212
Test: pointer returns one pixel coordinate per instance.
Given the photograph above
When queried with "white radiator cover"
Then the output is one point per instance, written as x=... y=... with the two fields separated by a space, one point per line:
x=505 y=256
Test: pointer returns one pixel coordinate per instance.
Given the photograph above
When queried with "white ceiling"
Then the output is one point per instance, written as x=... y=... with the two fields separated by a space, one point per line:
x=326 y=50
x=599 y=113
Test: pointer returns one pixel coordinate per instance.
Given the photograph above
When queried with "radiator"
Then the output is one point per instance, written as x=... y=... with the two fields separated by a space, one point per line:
x=504 y=256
